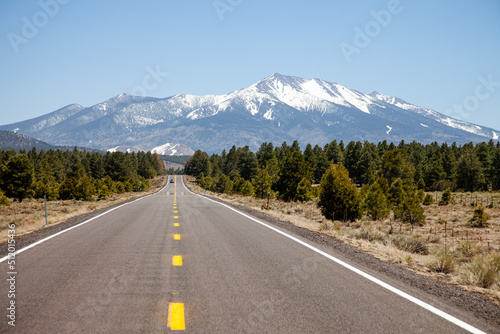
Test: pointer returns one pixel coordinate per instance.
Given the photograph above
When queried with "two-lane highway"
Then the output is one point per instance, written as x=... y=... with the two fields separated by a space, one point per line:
x=177 y=261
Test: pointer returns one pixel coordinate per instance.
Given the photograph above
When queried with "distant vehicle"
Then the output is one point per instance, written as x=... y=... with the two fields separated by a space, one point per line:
x=171 y=180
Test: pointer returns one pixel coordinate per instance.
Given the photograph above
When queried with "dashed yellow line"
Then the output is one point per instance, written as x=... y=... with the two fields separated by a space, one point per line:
x=176 y=224
x=176 y=217
x=177 y=237
x=177 y=260
x=176 y=317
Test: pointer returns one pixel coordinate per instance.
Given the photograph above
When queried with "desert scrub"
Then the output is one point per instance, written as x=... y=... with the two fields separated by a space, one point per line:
x=412 y=244
x=483 y=271
x=323 y=226
x=479 y=218
x=465 y=250
x=433 y=239
x=370 y=234
x=442 y=262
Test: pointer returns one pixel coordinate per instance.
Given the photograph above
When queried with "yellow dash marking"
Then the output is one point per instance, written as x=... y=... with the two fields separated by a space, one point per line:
x=176 y=211
x=176 y=217
x=177 y=237
x=176 y=317
x=177 y=260
x=176 y=224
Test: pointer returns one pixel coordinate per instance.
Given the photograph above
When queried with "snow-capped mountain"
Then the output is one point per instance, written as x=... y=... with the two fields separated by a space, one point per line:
x=275 y=109
x=172 y=149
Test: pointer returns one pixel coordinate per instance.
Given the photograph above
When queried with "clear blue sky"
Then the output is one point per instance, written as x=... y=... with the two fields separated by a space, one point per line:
x=435 y=54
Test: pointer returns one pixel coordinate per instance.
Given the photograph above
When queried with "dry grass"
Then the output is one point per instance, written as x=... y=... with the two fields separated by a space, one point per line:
x=445 y=248
x=29 y=215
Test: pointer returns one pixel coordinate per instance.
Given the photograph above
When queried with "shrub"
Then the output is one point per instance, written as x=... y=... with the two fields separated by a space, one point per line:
x=482 y=271
x=479 y=218
x=304 y=191
x=412 y=244
x=370 y=234
x=428 y=200
x=441 y=263
x=446 y=198
x=466 y=250
x=4 y=200
x=409 y=210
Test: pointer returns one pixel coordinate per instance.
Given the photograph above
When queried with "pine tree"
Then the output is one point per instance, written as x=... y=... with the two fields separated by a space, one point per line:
x=67 y=189
x=17 y=177
x=338 y=196
x=409 y=210
x=470 y=176
x=479 y=218
x=304 y=191
x=322 y=163
x=265 y=153
x=85 y=189
x=496 y=169
x=397 y=192
x=421 y=184
x=199 y=163
x=376 y=203
x=428 y=200
x=334 y=153
x=247 y=163
x=396 y=165
x=292 y=170
x=446 y=198
x=262 y=183
x=353 y=153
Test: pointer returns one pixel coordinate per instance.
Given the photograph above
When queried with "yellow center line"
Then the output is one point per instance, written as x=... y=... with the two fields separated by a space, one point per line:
x=177 y=260
x=176 y=217
x=176 y=317
x=177 y=237
x=176 y=211
x=175 y=189
x=176 y=224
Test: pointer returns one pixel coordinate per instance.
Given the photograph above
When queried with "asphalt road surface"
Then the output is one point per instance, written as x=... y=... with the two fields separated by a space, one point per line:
x=175 y=261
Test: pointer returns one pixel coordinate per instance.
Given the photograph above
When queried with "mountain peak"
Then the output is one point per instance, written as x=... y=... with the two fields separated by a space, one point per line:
x=277 y=108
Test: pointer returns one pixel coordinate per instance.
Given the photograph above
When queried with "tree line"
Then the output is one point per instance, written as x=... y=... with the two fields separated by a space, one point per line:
x=376 y=178
x=74 y=174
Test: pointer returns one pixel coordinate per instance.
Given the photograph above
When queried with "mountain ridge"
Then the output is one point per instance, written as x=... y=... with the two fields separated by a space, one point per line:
x=277 y=108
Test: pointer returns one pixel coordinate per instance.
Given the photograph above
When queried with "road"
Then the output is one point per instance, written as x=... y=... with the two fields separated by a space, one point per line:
x=175 y=261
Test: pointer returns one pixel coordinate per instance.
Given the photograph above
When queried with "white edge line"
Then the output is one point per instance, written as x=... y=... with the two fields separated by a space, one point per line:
x=398 y=292
x=82 y=223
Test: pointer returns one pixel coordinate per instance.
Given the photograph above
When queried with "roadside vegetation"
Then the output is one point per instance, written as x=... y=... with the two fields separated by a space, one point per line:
x=29 y=215
x=80 y=175
x=73 y=182
x=432 y=208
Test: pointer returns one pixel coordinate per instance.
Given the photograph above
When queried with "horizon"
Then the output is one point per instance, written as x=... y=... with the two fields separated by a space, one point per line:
x=439 y=57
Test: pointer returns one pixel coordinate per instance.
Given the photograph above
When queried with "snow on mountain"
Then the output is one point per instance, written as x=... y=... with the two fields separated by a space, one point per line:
x=125 y=149
x=275 y=109
x=172 y=149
